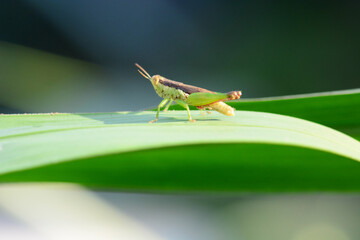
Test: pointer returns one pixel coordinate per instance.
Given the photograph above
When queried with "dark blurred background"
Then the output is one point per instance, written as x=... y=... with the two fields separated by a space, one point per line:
x=78 y=56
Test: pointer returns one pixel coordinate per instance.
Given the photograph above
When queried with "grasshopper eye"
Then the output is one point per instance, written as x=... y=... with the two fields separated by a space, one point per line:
x=156 y=78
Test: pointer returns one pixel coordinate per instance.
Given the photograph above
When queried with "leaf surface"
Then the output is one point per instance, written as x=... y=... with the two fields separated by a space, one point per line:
x=338 y=109
x=253 y=151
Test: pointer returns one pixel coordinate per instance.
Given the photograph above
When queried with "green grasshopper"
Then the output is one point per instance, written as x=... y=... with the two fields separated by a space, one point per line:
x=186 y=95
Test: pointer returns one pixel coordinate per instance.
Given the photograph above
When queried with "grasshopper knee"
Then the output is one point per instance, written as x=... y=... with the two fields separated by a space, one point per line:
x=234 y=95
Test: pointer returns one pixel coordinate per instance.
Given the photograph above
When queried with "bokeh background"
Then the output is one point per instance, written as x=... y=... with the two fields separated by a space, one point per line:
x=78 y=56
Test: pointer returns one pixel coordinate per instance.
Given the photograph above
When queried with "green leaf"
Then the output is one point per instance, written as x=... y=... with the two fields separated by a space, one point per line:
x=339 y=110
x=253 y=151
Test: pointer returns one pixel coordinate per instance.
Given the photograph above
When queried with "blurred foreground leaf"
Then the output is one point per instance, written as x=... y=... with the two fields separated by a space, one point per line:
x=253 y=151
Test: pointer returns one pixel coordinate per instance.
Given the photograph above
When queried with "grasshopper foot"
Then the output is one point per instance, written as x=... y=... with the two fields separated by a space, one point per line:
x=192 y=120
x=153 y=121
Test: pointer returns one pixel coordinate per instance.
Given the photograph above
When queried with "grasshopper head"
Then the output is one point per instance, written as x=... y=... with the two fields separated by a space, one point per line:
x=155 y=79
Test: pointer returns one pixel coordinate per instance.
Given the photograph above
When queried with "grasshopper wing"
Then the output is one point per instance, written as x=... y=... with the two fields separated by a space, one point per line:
x=205 y=98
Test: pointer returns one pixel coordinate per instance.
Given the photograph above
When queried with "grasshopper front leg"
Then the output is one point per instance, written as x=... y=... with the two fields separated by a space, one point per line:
x=163 y=102
x=184 y=105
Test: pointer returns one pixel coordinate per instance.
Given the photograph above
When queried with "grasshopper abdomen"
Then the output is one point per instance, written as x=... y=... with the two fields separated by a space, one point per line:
x=223 y=108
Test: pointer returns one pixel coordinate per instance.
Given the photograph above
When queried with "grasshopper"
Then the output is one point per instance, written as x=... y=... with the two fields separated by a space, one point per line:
x=186 y=95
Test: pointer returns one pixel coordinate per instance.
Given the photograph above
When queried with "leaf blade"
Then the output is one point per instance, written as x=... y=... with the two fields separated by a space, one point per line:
x=337 y=109
x=62 y=145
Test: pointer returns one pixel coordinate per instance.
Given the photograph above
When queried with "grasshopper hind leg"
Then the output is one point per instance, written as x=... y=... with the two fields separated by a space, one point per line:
x=203 y=110
x=186 y=106
x=208 y=110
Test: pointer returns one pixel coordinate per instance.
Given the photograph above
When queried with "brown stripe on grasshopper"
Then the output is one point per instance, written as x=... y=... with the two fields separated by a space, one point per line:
x=179 y=85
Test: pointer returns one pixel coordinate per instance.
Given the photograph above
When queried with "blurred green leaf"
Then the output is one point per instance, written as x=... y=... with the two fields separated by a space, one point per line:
x=253 y=151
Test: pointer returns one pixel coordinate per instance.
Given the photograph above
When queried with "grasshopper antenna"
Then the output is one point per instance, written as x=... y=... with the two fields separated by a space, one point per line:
x=143 y=72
